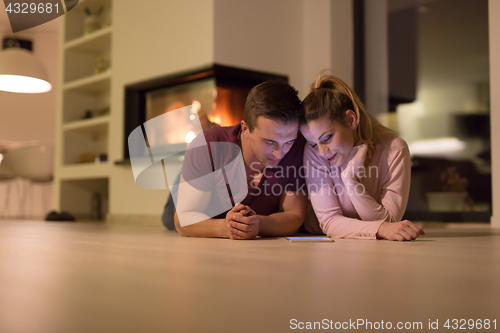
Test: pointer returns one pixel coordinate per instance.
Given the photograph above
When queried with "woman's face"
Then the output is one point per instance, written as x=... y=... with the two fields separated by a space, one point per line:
x=330 y=139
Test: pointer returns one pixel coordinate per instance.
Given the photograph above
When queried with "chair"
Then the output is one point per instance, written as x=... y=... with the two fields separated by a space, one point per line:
x=34 y=163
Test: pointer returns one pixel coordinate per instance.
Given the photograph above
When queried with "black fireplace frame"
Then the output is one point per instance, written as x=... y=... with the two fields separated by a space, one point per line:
x=225 y=76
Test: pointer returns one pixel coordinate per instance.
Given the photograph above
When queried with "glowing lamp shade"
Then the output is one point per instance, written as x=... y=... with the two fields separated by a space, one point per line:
x=22 y=72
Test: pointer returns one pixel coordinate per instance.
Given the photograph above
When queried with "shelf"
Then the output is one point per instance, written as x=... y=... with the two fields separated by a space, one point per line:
x=86 y=123
x=84 y=171
x=79 y=197
x=92 y=84
x=84 y=143
x=81 y=140
x=93 y=43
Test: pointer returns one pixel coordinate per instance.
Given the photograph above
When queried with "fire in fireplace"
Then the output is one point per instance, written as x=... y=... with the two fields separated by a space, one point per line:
x=217 y=93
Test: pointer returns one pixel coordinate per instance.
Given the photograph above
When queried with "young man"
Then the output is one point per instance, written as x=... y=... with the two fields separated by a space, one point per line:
x=272 y=151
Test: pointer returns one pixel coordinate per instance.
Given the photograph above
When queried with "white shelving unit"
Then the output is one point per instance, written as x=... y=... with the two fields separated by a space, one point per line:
x=78 y=177
x=92 y=43
x=85 y=171
x=85 y=123
x=98 y=83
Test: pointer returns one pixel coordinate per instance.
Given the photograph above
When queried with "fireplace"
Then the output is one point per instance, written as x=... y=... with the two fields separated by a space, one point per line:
x=217 y=93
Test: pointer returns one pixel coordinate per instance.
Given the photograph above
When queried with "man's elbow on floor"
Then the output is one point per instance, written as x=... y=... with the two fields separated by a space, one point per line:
x=296 y=229
x=292 y=229
x=180 y=230
x=297 y=223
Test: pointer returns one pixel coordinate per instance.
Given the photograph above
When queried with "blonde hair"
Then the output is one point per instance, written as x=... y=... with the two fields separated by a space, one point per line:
x=331 y=96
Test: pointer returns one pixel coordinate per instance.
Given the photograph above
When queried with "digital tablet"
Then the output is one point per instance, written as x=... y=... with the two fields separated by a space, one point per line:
x=309 y=239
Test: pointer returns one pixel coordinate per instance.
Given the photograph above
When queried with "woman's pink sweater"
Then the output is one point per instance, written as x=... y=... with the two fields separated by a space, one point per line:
x=348 y=208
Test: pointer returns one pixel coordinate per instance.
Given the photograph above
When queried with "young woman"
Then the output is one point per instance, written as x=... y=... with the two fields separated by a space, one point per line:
x=358 y=171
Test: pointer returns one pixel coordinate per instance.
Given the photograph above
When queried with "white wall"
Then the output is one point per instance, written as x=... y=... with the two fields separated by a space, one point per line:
x=261 y=35
x=494 y=36
x=317 y=41
x=342 y=40
x=292 y=37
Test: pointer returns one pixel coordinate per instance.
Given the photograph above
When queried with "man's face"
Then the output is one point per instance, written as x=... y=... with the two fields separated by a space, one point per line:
x=270 y=139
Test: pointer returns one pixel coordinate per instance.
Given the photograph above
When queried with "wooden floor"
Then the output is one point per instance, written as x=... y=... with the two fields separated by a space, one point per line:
x=82 y=277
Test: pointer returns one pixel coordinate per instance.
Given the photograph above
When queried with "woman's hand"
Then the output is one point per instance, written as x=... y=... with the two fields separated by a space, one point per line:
x=400 y=231
x=356 y=165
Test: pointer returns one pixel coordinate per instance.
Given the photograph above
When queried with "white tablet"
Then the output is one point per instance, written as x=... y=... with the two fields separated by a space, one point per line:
x=309 y=239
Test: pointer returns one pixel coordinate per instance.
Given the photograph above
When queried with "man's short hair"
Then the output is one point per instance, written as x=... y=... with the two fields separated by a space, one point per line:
x=274 y=99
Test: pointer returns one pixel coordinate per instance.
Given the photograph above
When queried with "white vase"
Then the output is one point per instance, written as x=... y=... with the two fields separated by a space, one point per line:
x=91 y=24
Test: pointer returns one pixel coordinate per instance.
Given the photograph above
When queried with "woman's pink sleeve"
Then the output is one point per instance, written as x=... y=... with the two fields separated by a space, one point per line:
x=395 y=189
x=326 y=204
